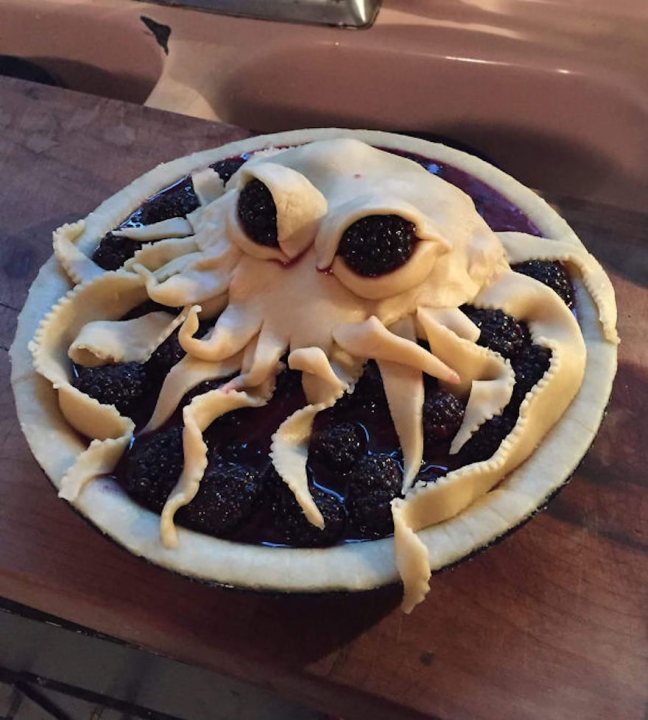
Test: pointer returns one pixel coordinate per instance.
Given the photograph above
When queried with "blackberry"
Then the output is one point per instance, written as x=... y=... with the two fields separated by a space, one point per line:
x=113 y=251
x=294 y=529
x=442 y=416
x=228 y=494
x=226 y=168
x=498 y=331
x=178 y=200
x=378 y=472
x=338 y=446
x=529 y=366
x=373 y=483
x=486 y=440
x=371 y=515
x=377 y=244
x=123 y=385
x=152 y=468
x=551 y=274
x=258 y=213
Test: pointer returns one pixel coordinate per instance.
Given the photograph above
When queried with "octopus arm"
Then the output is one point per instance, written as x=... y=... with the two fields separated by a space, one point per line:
x=155 y=256
x=521 y=247
x=183 y=281
x=99 y=458
x=170 y=228
x=234 y=330
x=551 y=324
x=183 y=377
x=110 y=432
x=263 y=362
x=321 y=378
x=116 y=341
x=207 y=185
x=290 y=443
x=411 y=559
x=198 y=416
x=457 y=321
x=405 y=395
x=485 y=377
x=371 y=339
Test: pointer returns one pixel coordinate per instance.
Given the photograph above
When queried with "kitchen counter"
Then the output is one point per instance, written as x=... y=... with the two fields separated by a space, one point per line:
x=549 y=623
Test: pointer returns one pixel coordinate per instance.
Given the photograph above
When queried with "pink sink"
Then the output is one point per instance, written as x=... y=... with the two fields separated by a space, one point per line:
x=554 y=91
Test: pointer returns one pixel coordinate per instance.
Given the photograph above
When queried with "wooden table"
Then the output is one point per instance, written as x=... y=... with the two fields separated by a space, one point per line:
x=549 y=624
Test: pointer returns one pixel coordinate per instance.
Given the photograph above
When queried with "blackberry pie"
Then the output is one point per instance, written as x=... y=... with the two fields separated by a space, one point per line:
x=317 y=360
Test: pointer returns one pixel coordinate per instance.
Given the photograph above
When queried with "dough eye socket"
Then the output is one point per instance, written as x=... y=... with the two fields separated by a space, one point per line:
x=257 y=213
x=377 y=244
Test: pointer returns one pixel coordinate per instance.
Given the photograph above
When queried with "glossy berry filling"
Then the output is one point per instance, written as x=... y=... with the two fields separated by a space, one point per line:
x=355 y=462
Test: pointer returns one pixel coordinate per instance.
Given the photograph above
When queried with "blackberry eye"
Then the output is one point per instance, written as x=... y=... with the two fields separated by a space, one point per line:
x=258 y=213
x=377 y=244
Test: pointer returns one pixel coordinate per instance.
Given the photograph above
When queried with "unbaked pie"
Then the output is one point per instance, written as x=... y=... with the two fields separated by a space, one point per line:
x=315 y=360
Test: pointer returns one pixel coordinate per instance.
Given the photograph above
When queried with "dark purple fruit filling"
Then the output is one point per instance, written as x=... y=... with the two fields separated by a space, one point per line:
x=551 y=274
x=123 y=385
x=226 y=168
x=377 y=244
x=355 y=462
x=113 y=251
x=258 y=213
x=177 y=200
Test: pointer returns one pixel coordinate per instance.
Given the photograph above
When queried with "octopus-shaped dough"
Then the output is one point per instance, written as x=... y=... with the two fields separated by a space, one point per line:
x=300 y=298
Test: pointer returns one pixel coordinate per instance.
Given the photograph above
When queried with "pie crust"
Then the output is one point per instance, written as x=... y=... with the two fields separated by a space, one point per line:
x=354 y=566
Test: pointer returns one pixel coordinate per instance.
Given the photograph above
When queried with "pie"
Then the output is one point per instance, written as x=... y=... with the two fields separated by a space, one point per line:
x=315 y=360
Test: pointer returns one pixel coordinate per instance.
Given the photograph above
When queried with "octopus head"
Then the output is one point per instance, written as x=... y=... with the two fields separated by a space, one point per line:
x=360 y=241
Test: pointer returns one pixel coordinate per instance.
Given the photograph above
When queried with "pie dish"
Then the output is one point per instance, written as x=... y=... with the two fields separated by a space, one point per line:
x=318 y=332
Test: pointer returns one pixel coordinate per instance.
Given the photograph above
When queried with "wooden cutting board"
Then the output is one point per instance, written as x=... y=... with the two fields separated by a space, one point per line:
x=550 y=623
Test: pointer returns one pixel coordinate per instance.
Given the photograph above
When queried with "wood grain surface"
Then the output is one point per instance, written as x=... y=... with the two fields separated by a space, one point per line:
x=551 y=623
